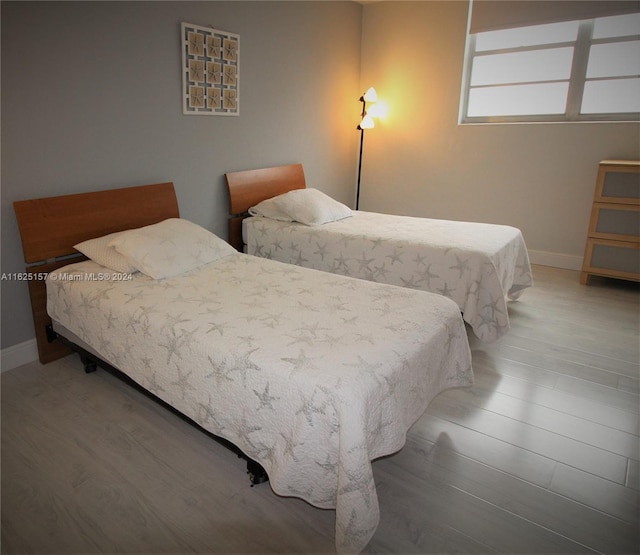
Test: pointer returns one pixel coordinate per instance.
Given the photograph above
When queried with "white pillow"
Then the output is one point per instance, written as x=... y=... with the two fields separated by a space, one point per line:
x=309 y=207
x=268 y=209
x=99 y=251
x=170 y=248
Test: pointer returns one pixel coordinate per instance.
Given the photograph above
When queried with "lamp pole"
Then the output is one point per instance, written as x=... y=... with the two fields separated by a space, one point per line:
x=365 y=123
x=364 y=113
x=359 y=167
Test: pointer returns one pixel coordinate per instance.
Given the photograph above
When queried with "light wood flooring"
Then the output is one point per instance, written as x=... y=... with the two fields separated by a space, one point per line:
x=540 y=456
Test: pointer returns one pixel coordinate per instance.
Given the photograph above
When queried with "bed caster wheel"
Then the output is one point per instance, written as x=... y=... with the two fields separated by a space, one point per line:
x=89 y=365
x=257 y=474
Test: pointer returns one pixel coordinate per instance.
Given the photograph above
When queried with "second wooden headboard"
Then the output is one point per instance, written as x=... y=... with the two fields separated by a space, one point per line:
x=248 y=188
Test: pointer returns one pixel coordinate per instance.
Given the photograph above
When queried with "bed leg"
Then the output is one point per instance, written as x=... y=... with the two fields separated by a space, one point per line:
x=51 y=335
x=256 y=473
x=89 y=364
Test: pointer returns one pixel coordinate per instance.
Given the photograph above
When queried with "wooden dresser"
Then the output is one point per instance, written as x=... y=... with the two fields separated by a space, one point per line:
x=613 y=240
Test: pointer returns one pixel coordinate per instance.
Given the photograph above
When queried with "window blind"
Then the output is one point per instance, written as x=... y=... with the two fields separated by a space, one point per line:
x=492 y=15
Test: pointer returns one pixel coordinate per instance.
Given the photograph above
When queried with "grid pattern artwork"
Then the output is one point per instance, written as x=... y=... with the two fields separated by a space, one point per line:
x=210 y=71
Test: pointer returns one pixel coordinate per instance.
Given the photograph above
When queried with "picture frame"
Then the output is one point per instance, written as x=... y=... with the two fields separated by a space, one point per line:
x=210 y=71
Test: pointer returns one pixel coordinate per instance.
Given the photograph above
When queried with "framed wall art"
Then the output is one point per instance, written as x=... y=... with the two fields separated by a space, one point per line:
x=210 y=71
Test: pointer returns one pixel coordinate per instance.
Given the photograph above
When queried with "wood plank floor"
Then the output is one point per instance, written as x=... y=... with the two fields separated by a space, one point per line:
x=540 y=456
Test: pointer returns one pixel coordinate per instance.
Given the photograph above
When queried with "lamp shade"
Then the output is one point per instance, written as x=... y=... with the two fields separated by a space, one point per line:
x=371 y=95
x=367 y=122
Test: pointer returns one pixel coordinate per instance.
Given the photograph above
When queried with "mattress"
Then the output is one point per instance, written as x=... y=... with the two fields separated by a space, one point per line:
x=479 y=266
x=310 y=374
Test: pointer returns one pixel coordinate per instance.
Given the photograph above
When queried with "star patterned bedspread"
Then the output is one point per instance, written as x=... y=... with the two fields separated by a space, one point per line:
x=479 y=266
x=311 y=374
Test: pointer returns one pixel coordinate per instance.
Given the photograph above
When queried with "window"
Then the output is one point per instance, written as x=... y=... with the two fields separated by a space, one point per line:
x=580 y=70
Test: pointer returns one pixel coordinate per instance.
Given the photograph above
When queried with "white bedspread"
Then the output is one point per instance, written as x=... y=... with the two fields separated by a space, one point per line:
x=477 y=265
x=311 y=374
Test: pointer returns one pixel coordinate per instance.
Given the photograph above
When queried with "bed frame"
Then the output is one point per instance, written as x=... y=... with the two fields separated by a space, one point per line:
x=49 y=227
x=248 y=188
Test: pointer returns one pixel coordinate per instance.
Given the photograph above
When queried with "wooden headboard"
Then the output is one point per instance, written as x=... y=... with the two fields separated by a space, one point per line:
x=248 y=188
x=49 y=227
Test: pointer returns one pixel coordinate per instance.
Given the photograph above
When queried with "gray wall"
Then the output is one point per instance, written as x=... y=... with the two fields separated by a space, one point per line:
x=91 y=100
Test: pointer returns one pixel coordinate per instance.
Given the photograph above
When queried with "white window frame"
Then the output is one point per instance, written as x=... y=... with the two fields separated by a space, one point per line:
x=577 y=80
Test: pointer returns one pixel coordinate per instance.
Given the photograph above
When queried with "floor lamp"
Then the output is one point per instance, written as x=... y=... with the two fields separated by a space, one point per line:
x=366 y=123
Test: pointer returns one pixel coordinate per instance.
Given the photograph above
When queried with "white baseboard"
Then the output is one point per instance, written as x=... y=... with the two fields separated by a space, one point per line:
x=19 y=354
x=556 y=260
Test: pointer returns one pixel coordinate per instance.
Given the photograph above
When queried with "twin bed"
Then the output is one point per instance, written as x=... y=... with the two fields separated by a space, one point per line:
x=312 y=375
x=479 y=266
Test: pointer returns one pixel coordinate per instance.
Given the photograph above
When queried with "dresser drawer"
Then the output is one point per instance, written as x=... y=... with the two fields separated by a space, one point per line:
x=613 y=258
x=619 y=183
x=615 y=221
